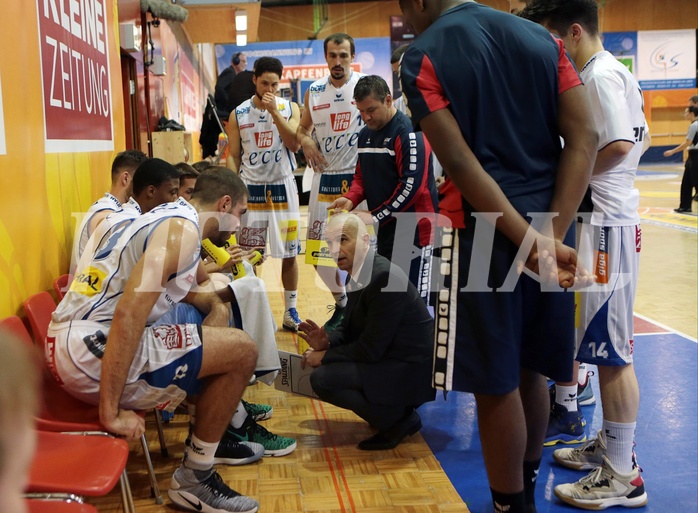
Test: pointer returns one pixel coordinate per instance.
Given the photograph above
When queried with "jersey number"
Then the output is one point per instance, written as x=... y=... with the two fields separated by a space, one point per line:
x=600 y=352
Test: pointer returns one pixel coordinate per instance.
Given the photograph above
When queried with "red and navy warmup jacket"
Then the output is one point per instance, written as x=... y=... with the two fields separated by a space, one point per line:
x=394 y=174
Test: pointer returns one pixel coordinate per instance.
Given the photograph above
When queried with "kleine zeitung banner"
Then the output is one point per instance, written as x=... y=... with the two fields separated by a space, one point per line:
x=76 y=82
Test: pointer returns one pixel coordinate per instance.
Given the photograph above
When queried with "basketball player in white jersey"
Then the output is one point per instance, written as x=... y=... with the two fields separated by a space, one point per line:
x=122 y=169
x=262 y=139
x=129 y=282
x=610 y=239
x=328 y=132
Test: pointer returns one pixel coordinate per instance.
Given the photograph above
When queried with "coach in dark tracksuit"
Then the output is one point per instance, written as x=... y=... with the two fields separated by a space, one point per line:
x=378 y=362
x=394 y=172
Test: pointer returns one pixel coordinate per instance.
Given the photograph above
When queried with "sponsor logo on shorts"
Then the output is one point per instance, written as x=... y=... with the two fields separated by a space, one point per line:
x=315 y=231
x=340 y=121
x=632 y=345
x=253 y=237
x=172 y=337
x=323 y=252
x=333 y=186
x=51 y=359
x=320 y=107
x=601 y=267
x=638 y=239
x=88 y=281
x=96 y=343
x=163 y=406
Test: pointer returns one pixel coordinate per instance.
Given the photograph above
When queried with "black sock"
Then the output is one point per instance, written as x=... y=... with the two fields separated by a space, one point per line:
x=508 y=502
x=530 y=474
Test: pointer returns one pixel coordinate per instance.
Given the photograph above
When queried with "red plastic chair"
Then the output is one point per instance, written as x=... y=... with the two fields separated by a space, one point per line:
x=60 y=411
x=58 y=504
x=39 y=308
x=61 y=285
x=83 y=464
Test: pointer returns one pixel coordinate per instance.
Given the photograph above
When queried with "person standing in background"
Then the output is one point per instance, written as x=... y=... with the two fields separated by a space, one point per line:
x=328 y=133
x=689 y=182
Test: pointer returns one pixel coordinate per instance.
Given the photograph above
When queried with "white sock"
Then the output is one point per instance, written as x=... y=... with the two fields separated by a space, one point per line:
x=239 y=417
x=619 y=439
x=290 y=298
x=566 y=396
x=582 y=376
x=198 y=455
x=340 y=298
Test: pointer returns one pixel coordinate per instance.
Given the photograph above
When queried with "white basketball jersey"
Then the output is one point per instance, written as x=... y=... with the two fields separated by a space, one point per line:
x=264 y=156
x=337 y=121
x=102 y=276
x=617 y=107
x=106 y=202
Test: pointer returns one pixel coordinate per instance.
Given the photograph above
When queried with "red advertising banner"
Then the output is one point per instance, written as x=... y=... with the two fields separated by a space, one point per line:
x=310 y=71
x=75 y=75
x=189 y=98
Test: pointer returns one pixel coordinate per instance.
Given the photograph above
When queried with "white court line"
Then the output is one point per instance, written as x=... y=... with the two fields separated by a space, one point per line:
x=664 y=326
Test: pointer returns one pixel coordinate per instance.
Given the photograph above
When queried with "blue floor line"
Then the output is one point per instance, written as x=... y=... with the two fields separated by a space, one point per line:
x=666 y=434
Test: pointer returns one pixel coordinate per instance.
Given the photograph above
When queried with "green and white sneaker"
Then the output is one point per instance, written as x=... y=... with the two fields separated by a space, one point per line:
x=274 y=445
x=258 y=411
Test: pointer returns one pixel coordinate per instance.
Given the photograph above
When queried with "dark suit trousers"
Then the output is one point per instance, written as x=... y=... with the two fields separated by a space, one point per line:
x=340 y=384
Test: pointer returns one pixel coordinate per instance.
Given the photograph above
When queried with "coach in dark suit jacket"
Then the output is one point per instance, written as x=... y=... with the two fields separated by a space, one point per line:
x=378 y=363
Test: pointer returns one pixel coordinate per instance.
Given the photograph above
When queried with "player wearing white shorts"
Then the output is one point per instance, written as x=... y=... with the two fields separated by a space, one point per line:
x=134 y=276
x=262 y=138
x=609 y=243
x=328 y=132
x=122 y=169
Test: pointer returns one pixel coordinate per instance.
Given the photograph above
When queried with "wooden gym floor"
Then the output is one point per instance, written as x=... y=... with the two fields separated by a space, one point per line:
x=327 y=474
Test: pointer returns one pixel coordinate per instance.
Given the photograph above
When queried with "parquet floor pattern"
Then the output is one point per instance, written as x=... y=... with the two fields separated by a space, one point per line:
x=326 y=473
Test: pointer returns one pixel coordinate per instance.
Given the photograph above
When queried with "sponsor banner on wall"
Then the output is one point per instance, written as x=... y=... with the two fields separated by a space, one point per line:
x=77 y=95
x=189 y=102
x=666 y=59
x=304 y=61
x=623 y=46
x=3 y=147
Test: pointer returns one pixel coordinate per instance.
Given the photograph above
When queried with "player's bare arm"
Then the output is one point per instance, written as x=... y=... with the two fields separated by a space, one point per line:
x=312 y=153
x=287 y=129
x=577 y=157
x=234 y=145
x=611 y=155
x=156 y=265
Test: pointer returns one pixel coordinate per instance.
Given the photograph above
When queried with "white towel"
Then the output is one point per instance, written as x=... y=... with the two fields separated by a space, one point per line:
x=258 y=323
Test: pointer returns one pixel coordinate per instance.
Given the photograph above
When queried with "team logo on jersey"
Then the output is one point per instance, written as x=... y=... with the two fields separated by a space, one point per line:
x=281 y=107
x=320 y=107
x=340 y=121
x=264 y=139
x=89 y=281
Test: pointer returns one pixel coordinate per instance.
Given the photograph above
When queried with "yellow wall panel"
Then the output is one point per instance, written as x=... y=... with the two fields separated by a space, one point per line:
x=39 y=191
